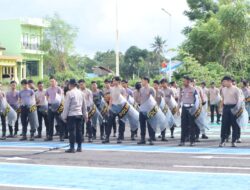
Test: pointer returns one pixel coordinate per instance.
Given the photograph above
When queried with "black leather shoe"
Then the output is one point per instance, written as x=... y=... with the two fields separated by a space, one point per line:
x=38 y=136
x=141 y=142
x=181 y=144
x=222 y=144
x=71 y=150
x=119 y=141
x=192 y=143
x=105 y=141
x=24 y=138
x=150 y=142
x=3 y=138
x=48 y=139
x=90 y=140
x=164 y=139
x=204 y=136
x=79 y=149
x=233 y=144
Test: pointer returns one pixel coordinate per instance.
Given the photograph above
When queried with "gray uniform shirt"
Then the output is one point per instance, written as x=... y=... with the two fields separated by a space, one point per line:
x=145 y=93
x=51 y=93
x=187 y=95
x=231 y=95
x=27 y=97
x=74 y=104
x=12 y=98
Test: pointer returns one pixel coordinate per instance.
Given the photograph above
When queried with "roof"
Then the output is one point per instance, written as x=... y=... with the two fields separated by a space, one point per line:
x=2 y=48
x=101 y=70
x=5 y=57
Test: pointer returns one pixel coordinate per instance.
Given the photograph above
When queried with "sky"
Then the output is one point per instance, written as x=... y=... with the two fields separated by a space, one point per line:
x=139 y=21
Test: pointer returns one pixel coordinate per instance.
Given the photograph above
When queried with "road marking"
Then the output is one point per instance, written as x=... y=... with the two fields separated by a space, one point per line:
x=212 y=167
x=221 y=157
x=22 y=149
x=36 y=187
x=118 y=169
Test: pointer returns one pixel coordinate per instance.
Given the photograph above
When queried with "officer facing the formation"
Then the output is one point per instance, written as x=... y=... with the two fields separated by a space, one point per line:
x=187 y=98
x=230 y=97
x=74 y=111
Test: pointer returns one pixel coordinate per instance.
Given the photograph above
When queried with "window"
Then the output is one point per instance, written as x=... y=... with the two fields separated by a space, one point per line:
x=32 y=68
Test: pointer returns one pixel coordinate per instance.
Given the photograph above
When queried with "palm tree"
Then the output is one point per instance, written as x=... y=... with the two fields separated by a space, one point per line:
x=159 y=45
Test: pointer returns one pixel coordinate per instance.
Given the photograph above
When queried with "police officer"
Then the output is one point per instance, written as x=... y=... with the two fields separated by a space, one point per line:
x=106 y=94
x=51 y=94
x=187 y=98
x=89 y=102
x=214 y=99
x=246 y=93
x=12 y=97
x=145 y=93
x=115 y=93
x=27 y=99
x=231 y=96
x=74 y=110
x=97 y=98
x=3 y=117
x=42 y=109
x=168 y=93
x=158 y=96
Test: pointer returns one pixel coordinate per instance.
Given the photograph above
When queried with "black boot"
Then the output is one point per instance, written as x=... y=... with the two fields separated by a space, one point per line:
x=79 y=148
x=106 y=140
x=3 y=136
x=172 y=132
x=150 y=141
x=39 y=135
x=163 y=135
x=32 y=137
x=24 y=138
x=142 y=141
x=70 y=150
x=11 y=132
x=132 y=135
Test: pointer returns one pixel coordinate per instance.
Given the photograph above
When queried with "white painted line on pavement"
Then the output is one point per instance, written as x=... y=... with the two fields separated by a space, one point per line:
x=222 y=157
x=212 y=167
x=36 y=187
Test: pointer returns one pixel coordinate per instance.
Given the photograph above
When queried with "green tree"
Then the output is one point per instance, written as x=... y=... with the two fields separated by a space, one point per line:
x=59 y=40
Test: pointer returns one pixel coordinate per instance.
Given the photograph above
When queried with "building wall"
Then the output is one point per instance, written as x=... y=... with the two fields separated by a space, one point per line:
x=10 y=32
x=22 y=39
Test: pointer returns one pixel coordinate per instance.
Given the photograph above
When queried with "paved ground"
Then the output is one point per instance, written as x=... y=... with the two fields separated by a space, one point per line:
x=127 y=166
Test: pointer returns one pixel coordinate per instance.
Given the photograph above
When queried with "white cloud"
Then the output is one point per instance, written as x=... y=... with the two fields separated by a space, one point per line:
x=139 y=20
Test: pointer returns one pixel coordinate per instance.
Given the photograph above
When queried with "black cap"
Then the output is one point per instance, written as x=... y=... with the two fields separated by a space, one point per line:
x=124 y=81
x=203 y=82
x=30 y=81
x=72 y=82
x=107 y=81
x=187 y=78
x=156 y=82
x=164 y=80
x=117 y=78
x=227 y=78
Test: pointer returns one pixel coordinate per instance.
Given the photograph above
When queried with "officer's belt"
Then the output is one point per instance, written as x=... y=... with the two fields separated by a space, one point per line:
x=124 y=110
x=188 y=105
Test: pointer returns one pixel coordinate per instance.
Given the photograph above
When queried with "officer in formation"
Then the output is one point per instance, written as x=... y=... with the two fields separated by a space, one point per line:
x=49 y=105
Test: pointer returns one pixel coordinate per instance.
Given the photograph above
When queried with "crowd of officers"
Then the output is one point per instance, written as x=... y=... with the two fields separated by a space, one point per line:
x=73 y=121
